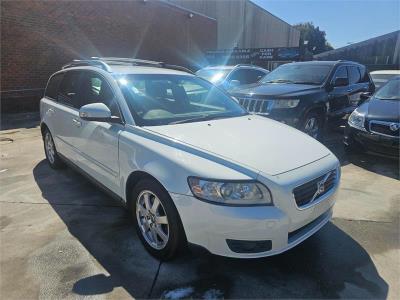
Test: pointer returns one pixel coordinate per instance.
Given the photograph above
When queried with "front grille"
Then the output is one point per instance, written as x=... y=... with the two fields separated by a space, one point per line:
x=257 y=106
x=384 y=128
x=314 y=189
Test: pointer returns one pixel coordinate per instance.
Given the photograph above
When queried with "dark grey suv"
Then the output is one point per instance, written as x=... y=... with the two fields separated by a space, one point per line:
x=307 y=94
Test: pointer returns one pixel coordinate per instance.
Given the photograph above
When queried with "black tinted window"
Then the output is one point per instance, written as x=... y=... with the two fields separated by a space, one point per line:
x=354 y=75
x=341 y=72
x=95 y=89
x=247 y=76
x=298 y=73
x=364 y=74
x=53 y=85
x=68 y=93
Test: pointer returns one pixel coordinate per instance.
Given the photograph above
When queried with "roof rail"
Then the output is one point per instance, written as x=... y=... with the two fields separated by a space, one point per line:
x=105 y=62
x=88 y=62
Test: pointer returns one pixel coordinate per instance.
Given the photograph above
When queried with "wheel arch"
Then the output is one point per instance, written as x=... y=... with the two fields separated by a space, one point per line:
x=319 y=108
x=134 y=179
x=43 y=128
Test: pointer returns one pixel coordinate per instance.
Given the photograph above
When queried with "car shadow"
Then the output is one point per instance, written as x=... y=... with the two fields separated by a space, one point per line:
x=321 y=267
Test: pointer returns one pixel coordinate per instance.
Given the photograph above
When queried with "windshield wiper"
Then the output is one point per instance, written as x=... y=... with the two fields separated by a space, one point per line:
x=201 y=118
x=279 y=81
x=306 y=82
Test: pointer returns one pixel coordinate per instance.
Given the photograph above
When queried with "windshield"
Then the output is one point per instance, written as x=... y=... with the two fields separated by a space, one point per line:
x=380 y=79
x=390 y=91
x=298 y=73
x=170 y=99
x=213 y=75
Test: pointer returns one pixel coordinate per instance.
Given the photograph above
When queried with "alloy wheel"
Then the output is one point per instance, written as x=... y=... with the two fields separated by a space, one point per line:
x=311 y=127
x=50 y=149
x=152 y=219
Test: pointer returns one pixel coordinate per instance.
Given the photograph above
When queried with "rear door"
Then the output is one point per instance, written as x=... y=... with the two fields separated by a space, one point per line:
x=98 y=141
x=339 y=96
x=356 y=85
x=47 y=110
x=66 y=116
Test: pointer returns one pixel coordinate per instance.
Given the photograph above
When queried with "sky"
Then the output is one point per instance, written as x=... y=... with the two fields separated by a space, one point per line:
x=344 y=21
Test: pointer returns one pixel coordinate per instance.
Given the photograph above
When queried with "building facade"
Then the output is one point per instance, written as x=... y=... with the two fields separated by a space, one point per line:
x=38 y=37
x=243 y=24
x=382 y=52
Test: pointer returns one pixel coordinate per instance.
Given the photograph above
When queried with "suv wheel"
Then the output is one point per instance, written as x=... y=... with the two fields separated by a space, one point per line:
x=156 y=220
x=50 y=150
x=312 y=125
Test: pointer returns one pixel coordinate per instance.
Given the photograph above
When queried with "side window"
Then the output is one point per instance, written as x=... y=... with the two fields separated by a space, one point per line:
x=364 y=74
x=69 y=87
x=95 y=89
x=354 y=75
x=258 y=75
x=341 y=72
x=246 y=76
x=53 y=86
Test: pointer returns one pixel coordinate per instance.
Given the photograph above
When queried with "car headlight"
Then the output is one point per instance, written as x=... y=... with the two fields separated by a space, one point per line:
x=285 y=103
x=230 y=192
x=357 y=120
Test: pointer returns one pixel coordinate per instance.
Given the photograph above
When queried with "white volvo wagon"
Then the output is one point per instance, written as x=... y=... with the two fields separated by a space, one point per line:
x=188 y=161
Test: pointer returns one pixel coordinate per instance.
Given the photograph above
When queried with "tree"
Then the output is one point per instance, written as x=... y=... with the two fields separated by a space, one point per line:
x=316 y=41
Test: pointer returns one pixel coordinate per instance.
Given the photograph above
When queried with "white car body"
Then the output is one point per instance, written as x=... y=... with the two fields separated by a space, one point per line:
x=243 y=148
x=382 y=76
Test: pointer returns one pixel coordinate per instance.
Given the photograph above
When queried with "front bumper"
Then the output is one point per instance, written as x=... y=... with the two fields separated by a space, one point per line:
x=371 y=142
x=281 y=226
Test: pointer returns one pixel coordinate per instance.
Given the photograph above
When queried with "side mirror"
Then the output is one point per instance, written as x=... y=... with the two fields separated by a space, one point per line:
x=365 y=96
x=341 y=81
x=234 y=83
x=97 y=112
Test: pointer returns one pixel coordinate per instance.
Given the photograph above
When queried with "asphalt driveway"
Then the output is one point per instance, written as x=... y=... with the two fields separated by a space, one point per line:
x=62 y=237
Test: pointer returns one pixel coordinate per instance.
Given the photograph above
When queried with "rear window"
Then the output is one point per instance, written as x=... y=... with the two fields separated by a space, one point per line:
x=53 y=85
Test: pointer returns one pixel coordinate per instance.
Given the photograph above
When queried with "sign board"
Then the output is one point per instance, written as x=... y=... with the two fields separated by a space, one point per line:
x=247 y=55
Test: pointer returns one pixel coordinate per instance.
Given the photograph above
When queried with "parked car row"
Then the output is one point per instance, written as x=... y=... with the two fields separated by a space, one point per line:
x=308 y=95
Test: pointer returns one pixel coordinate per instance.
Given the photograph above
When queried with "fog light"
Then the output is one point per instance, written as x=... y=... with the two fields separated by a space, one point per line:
x=249 y=246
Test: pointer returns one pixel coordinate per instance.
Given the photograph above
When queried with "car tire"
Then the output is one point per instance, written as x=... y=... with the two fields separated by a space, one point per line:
x=312 y=125
x=156 y=220
x=50 y=151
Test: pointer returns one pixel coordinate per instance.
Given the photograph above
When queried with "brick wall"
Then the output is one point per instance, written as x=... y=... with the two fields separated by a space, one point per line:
x=38 y=37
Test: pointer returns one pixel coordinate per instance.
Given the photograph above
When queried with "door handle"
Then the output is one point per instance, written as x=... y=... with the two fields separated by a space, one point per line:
x=350 y=90
x=50 y=111
x=76 y=122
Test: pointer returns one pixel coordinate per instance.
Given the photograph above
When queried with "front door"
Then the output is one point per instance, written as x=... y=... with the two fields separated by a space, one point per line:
x=98 y=141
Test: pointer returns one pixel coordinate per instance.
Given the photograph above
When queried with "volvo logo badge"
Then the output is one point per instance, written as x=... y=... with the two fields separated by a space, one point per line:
x=394 y=126
x=320 y=187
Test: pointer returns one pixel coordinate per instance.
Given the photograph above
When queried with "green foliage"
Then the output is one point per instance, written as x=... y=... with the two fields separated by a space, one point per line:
x=317 y=42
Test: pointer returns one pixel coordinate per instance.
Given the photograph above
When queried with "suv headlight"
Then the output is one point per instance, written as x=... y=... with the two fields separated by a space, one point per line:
x=285 y=103
x=230 y=192
x=357 y=120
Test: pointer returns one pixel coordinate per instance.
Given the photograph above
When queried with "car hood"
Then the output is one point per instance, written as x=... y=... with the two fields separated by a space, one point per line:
x=275 y=89
x=253 y=141
x=384 y=110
